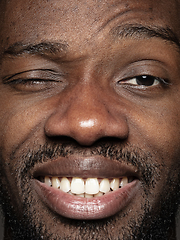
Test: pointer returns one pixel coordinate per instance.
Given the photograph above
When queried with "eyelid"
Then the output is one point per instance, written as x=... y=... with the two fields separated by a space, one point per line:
x=35 y=74
x=35 y=81
x=160 y=80
x=140 y=67
x=29 y=80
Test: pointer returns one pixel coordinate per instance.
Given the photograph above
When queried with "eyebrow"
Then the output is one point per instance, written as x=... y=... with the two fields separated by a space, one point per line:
x=42 y=48
x=138 y=31
x=132 y=31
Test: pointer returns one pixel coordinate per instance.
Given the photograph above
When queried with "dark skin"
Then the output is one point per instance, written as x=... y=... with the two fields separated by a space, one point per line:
x=69 y=75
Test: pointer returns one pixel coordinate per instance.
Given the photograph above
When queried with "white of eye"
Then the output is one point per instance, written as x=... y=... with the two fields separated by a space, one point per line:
x=145 y=81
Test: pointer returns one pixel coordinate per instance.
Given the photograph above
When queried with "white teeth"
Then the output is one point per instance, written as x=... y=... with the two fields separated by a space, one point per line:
x=77 y=185
x=55 y=182
x=91 y=186
x=98 y=194
x=47 y=181
x=124 y=181
x=80 y=195
x=104 y=186
x=115 y=184
x=65 y=185
x=88 y=188
x=70 y=193
x=88 y=195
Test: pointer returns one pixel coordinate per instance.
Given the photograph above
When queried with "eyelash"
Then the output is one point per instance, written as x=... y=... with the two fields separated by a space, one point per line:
x=140 y=82
x=153 y=81
x=32 y=84
x=38 y=78
x=29 y=80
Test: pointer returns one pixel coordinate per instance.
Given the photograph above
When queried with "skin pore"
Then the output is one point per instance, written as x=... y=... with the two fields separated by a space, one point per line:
x=90 y=89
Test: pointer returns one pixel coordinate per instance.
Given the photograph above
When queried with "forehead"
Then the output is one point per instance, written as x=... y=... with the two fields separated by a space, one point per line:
x=79 y=22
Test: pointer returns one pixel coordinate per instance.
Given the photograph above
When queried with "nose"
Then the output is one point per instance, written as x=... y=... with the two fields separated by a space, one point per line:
x=86 y=114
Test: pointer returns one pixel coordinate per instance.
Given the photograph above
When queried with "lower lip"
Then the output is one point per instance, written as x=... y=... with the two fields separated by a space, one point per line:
x=84 y=208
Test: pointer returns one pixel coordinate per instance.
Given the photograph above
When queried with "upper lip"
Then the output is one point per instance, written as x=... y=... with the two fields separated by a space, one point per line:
x=84 y=167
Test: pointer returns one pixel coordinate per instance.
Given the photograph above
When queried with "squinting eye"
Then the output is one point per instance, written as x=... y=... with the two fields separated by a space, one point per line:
x=144 y=80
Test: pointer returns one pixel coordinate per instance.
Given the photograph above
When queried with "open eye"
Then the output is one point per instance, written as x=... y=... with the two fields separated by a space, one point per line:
x=144 y=80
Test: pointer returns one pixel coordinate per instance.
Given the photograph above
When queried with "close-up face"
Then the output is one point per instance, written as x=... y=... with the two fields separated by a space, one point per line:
x=90 y=118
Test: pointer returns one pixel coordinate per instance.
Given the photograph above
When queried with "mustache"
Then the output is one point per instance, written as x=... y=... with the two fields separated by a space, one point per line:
x=147 y=165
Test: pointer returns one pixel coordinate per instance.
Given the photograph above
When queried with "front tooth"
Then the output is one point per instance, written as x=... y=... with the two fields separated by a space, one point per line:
x=88 y=195
x=55 y=182
x=98 y=194
x=92 y=186
x=77 y=185
x=115 y=184
x=65 y=185
x=124 y=181
x=47 y=181
x=80 y=195
x=104 y=185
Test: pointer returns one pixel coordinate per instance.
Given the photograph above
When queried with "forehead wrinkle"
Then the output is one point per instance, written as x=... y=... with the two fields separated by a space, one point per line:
x=114 y=16
x=138 y=31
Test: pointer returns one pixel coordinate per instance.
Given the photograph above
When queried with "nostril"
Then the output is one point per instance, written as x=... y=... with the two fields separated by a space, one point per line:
x=86 y=123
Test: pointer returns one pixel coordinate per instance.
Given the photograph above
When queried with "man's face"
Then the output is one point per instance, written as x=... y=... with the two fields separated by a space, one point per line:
x=90 y=90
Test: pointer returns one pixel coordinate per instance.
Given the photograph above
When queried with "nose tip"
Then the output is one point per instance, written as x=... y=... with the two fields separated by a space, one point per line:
x=86 y=125
x=87 y=130
x=87 y=117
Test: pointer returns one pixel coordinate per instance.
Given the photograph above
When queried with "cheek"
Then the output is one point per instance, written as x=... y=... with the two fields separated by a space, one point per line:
x=157 y=129
x=19 y=122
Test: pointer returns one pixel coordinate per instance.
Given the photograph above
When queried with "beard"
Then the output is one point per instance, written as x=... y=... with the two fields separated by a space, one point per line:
x=150 y=223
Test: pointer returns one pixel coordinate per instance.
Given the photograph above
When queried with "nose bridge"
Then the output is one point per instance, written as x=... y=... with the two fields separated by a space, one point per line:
x=87 y=106
x=86 y=114
x=86 y=117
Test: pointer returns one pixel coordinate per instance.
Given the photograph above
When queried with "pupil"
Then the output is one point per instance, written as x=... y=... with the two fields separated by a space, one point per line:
x=145 y=80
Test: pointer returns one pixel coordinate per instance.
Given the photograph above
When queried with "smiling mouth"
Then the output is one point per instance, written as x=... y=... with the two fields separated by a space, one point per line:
x=86 y=188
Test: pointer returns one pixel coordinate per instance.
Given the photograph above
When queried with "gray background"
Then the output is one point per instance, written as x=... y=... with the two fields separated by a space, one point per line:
x=1 y=228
